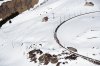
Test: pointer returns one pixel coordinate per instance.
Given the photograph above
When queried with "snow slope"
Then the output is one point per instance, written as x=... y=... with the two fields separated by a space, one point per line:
x=28 y=29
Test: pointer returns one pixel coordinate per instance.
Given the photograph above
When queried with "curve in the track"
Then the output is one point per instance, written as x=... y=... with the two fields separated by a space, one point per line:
x=58 y=41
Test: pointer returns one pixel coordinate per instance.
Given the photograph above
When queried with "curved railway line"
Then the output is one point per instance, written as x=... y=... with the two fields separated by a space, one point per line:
x=94 y=61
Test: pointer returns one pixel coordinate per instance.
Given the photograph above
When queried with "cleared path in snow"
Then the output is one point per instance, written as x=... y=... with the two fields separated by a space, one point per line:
x=58 y=41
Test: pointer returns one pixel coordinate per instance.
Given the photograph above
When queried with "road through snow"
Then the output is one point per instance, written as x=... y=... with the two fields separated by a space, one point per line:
x=58 y=41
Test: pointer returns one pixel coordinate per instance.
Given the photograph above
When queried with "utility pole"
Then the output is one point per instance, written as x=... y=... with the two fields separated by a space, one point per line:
x=60 y=19
x=53 y=15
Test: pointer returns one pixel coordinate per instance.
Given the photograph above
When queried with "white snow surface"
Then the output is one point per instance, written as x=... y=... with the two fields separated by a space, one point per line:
x=82 y=33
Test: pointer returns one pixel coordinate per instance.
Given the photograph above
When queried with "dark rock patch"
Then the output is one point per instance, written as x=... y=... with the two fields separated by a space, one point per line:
x=2 y=22
x=9 y=7
x=37 y=51
x=45 y=19
x=71 y=57
x=58 y=64
x=89 y=4
x=54 y=59
x=33 y=54
x=45 y=58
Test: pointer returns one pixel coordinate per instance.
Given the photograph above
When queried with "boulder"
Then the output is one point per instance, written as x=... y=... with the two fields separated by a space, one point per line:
x=45 y=58
x=54 y=59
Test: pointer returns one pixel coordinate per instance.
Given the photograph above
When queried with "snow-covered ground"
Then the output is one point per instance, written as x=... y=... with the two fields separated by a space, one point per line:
x=82 y=33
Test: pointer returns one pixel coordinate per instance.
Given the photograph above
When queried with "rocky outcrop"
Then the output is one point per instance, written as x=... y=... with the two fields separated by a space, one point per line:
x=8 y=18
x=38 y=56
x=89 y=4
x=9 y=7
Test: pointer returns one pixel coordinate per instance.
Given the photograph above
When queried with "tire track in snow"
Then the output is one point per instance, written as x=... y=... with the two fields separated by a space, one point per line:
x=58 y=41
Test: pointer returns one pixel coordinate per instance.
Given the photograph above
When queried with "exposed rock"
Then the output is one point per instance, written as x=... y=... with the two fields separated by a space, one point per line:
x=54 y=59
x=9 y=7
x=45 y=19
x=94 y=54
x=64 y=52
x=58 y=64
x=33 y=53
x=36 y=51
x=10 y=21
x=45 y=58
x=72 y=49
x=33 y=57
x=64 y=62
x=8 y=18
x=89 y=4
x=71 y=57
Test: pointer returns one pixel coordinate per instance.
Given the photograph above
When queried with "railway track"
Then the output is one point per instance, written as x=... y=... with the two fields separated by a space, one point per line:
x=94 y=61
